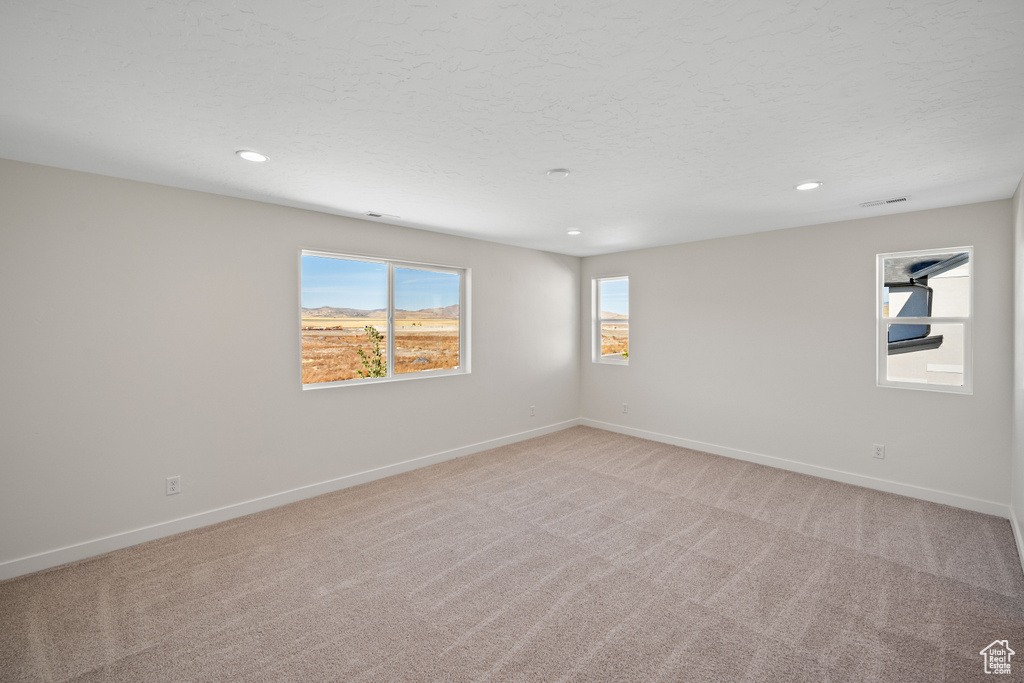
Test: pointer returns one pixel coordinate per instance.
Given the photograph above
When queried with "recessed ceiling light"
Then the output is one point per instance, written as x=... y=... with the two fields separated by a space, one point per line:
x=250 y=155
x=810 y=185
x=558 y=173
x=575 y=232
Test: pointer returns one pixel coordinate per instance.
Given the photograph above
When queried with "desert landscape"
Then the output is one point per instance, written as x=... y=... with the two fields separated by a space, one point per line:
x=614 y=336
x=332 y=338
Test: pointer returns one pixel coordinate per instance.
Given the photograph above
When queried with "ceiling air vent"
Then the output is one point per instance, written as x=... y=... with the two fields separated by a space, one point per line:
x=883 y=202
x=376 y=214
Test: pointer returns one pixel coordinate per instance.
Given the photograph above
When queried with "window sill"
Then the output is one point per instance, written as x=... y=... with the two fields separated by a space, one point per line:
x=404 y=377
x=922 y=386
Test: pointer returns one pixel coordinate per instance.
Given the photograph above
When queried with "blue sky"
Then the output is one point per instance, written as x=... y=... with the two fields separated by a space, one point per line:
x=344 y=283
x=615 y=296
x=419 y=289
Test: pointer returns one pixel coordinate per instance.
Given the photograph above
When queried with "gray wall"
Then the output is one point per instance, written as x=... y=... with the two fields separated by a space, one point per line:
x=763 y=347
x=1017 y=477
x=150 y=331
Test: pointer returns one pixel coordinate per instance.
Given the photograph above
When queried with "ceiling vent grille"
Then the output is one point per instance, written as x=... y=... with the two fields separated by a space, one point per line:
x=883 y=202
x=377 y=214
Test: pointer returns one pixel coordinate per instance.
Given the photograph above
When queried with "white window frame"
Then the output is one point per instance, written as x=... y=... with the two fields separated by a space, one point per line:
x=392 y=264
x=598 y=320
x=882 y=326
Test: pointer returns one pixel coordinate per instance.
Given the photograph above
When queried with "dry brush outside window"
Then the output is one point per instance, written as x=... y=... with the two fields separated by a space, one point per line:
x=366 y=320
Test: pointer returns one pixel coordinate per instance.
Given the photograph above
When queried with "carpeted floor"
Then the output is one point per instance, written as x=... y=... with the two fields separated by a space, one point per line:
x=582 y=556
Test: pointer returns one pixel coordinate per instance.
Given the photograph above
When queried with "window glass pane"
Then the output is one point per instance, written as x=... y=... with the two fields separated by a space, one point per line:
x=426 y=320
x=614 y=340
x=952 y=292
x=614 y=298
x=926 y=354
x=344 y=311
x=612 y=323
x=933 y=285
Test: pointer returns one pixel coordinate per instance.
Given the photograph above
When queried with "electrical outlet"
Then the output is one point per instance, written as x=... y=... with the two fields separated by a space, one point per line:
x=533 y=411
x=173 y=485
x=625 y=408
x=880 y=451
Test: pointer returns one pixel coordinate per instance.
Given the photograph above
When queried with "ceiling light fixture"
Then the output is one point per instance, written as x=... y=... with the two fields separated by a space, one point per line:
x=250 y=155
x=809 y=185
x=558 y=173
x=575 y=232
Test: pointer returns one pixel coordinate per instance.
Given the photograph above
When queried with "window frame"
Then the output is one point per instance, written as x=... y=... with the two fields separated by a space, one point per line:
x=595 y=297
x=882 y=326
x=464 y=274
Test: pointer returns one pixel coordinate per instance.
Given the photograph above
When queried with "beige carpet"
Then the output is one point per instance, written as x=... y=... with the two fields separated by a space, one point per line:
x=579 y=556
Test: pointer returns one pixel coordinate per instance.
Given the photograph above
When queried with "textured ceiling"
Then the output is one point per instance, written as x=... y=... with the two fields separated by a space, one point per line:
x=679 y=120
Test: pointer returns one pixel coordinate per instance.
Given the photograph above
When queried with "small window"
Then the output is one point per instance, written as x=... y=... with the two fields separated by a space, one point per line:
x=611 y=320
x=367 y=320
x=924 y=319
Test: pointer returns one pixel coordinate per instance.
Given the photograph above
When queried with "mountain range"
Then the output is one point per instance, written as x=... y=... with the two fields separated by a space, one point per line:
x=442 y=313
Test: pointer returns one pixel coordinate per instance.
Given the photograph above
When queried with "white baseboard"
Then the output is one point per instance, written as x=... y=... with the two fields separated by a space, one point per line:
x=956 y=500
x=1017 y=535
x=106 y=544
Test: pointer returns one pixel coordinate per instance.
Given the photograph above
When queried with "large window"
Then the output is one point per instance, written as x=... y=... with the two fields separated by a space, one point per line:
x=367 y=320
x=924 y=319
x=611 y=320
